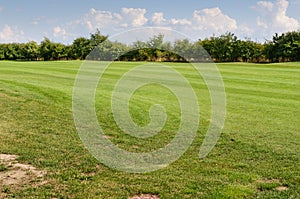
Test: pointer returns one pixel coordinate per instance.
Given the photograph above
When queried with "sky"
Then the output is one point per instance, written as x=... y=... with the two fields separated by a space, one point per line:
x=65 y=20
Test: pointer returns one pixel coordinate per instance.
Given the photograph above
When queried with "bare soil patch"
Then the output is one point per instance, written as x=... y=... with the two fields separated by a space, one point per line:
x=15 y=175
x=145 y=196
x=268 y=181
x=272 y=181
x=282 y=188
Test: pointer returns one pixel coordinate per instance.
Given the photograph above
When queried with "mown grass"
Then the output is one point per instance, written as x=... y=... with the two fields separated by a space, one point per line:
x=257 y=151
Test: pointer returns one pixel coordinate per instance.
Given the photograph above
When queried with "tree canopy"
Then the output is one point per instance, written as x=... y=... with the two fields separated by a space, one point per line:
x=223 y=48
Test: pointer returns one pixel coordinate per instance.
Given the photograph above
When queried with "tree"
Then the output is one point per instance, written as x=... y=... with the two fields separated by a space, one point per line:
x=140 y=51
x=95 y=49
x=30 y=51
x=226 y=47
x=58 y=51
x=284 y=47
x=12 y=51
x=80 y=48
x=2 y=51
x=208 y=45
x=183 y=48
x=199 y=53
x=291 y=46
x=96 y=39
x=155 y=46
x=46 y=49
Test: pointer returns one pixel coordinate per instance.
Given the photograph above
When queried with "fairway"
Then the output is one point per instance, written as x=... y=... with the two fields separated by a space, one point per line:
x=257 y=154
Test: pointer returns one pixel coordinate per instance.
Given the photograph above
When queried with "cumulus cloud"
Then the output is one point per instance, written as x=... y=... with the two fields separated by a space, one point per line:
x=158 y=19
x=10 y=34
x=205 y=22
x=213 y=20
x=265 y=5
x=129 y=17
x=59 y=32
x=134 y=16
x=261 y=23
x=273 y=17
x=210 y=19
x=201 y=23
x=181 y=22
x=6 y=33
x=245 y=31
x=99 y=19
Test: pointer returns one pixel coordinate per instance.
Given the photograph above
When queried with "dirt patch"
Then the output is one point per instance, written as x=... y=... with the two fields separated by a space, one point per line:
x=268 y=181
x=15 y=175
x=282 y=188
x=271 y=184
x=145 y=196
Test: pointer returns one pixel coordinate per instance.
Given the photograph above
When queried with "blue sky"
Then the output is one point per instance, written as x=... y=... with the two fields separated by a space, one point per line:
x=62 y=21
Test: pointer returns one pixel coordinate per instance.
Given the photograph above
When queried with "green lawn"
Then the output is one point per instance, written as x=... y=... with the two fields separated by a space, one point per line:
x=257 y=152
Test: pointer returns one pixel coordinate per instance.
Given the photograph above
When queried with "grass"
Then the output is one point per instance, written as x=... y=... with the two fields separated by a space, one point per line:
x=257 y=151
x=2 y=168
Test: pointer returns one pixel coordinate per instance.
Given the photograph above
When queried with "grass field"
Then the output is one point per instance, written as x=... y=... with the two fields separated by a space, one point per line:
x=257 y=155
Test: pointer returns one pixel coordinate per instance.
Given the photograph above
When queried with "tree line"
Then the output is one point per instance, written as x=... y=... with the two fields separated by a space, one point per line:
x=223 y=48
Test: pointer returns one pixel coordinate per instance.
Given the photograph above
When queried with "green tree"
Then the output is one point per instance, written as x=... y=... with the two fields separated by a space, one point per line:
x=95 y=49
x=2 y=51
x=12 y=51
x=30 y=51
x=155 y=45
x=183 y=49
x=80 y=48
x=46 y=49
x=96 y=39
x=291 y=46
x=58 y=51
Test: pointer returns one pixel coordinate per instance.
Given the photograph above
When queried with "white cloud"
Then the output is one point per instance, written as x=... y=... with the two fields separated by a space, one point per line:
x=213 y=20
x=98 y=19
x=1 y=9
x=59 y=32
x=245 y=31
x=200 y=24
x=129 y=17
x=158 y=19
x=134 y=16
x=265 y=5
x=261 y=23
x=10 y=34
x=6 y=33
x=282 y=20
x=181 y=22
x=205 y=22
x=274 y=18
